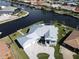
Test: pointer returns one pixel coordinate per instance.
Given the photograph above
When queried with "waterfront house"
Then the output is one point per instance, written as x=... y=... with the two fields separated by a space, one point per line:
x=36 y=32
x=7 y=9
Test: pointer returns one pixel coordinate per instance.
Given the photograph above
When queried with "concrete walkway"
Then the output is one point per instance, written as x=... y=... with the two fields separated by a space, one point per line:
x=33 y=50
x=67 y=54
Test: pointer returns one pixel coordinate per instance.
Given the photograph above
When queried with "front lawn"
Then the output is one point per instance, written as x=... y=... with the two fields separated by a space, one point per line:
x=42 y=56
x=76 y=56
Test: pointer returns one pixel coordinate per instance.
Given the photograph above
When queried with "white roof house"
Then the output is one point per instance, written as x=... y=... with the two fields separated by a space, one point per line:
x=56 y=5
x=72 y=3
x=7 y=9
x=36 y=32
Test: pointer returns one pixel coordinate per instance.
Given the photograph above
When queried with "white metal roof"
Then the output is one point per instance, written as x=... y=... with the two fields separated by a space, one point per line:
x=26 y=40
x=51 y=30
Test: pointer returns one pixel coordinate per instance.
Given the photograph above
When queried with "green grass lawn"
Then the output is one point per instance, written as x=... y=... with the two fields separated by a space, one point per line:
x=58 y=55
x=17 y=34
x=6 y=39
x=42 y=56
x=76 y=56
x=18 y=52
x=21 y=13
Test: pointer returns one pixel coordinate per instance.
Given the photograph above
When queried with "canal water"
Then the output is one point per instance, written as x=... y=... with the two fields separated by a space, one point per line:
x=36 y=15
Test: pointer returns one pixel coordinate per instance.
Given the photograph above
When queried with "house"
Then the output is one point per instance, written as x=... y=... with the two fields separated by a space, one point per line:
x=76 y=9
x=36 y=32
x=37 y=2
x=72 y=41
x=7 y=9
x=72 y=4
x=5 y=52
x=33 y=2
x=6 y=14
x=57 y=6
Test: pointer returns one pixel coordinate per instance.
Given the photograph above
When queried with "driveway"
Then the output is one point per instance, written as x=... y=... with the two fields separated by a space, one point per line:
x=33 y=50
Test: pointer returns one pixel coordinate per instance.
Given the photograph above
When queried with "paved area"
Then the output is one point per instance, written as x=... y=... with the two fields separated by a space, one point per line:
x=35 y=49
x=67 y=54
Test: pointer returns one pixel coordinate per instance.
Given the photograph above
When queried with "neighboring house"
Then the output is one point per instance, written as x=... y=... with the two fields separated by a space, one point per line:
x=33 y=2
x=56 y=5
x=7 y=9
x=5 y=52
x=76 y=9
x=6 y=14
x=6 y=17
x=72 y=41
x=37 y=32
x=67 y=7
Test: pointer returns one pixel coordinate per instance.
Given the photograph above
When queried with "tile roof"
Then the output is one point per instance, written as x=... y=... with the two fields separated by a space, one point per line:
x=73 y=39
x=77 y=9
x=5 y=52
